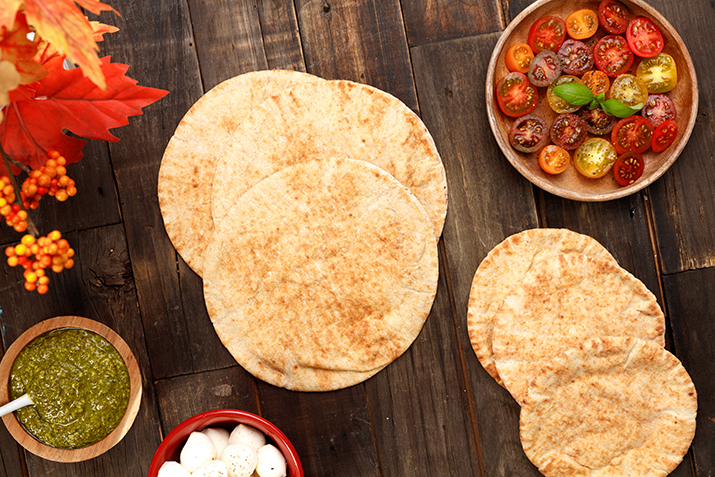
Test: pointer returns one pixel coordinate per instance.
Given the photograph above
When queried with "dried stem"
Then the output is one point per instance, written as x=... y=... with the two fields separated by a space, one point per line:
x=31 y=228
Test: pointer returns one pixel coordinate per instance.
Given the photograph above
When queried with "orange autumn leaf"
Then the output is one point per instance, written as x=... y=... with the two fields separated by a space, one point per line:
x=8 y=11
x=64 y=26
x=100 y=29
x=18 y=49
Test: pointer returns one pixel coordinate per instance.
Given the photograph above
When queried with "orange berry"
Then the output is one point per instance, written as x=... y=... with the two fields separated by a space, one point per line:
x=43 y=280
x=20 y=249
x=69 y=263
x=12 y=261
x=53 y=154
x=70 y=253
x=31 y=277
x=8 y=190
x=21 y=227
x=57 y=268
x=5 y=210
x=55 y=235
x=63 y=244
x=52 y=249
x=45 y=261
x=44 y=180
x=42 y=289
x=61 y=171
x=62 y=195
x=28 y=240
x=10 y=251
x=30 y=286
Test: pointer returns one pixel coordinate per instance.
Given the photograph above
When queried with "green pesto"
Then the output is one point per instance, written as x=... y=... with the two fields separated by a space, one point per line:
x=78 y=383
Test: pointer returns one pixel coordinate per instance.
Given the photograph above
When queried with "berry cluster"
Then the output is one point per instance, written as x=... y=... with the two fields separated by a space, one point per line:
x=15 y=217
x=49 y=179
x=35 y=256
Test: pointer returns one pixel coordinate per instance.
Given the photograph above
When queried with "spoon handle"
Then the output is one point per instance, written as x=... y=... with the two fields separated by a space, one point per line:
x=22 y=401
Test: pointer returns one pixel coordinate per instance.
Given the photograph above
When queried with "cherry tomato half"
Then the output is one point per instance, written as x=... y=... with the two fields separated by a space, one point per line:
x=597 y=81
x=560 y=105
x=664 y=135
x=529 y=133
x=633 y=133
x=613 y=17
x=518 y=57
x=612 y=55
x=629 y=90
x=547 y=33
x=554 y=159
x=644 y=37
x=628 y=168
x=576 y=58
x=515 y=95
x=659 y=73
x=544 y=69
x=568 y=131
x=597 y=122
x=594 y=158
x=582 y=24
x=658 y=108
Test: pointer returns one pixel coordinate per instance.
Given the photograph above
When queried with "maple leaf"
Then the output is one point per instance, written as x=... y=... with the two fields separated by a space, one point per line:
x=18 y=49
x=8 y=10
x=65 y=99
x=62 y=24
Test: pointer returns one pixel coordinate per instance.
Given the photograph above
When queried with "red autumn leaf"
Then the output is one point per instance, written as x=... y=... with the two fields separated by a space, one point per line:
x=65 y=99
x=18 y=49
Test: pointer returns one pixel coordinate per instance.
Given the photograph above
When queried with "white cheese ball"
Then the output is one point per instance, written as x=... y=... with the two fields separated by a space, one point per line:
x=212 y=468
x=243 y=434
x=219 y=437
x=172 y=468
x=271 y=462
x=240 y=459
x=197 y=450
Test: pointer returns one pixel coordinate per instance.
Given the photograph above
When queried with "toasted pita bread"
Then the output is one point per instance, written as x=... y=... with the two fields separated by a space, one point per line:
x=503 y=269
x=562 y=302
x=189 y=162
x=610 y=407
x=333 y=119
x=321 y=274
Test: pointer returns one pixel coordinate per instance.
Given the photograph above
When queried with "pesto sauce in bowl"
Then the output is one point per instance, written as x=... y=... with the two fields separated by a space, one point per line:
x=78 y=383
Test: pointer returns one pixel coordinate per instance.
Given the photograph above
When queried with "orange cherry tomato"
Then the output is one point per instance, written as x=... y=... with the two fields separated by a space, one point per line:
x=597 y=81
x=518 y=57
x=582 y=24
x=554 y=159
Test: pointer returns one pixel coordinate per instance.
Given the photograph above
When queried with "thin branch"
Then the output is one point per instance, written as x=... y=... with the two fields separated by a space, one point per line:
x=31 y=228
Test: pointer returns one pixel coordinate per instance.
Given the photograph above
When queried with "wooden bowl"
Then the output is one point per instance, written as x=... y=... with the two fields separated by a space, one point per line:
x=170 y=447
x=570 y=184
x=40 y=449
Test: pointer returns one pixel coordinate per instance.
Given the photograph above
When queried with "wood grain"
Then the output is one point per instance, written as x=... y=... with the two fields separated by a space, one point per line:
x=434 y=21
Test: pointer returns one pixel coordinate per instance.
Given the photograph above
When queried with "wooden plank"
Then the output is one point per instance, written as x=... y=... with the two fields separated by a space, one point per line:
x=281 y=40
x=11 y=456
x=181 y=397
x=684 y=198
x=488 y=201
x=432 y=21
x=99 y=287
x=331 y=431
x=691 y=306
x=359 y=41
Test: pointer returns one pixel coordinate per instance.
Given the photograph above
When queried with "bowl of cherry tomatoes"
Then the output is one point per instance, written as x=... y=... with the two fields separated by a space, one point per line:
x=591 y=100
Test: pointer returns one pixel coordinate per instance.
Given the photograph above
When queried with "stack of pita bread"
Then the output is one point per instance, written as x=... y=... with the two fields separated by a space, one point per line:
x=578 y=342
x=312 y=210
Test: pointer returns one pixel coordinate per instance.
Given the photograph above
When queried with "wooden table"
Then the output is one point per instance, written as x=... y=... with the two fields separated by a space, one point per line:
x=434 y=411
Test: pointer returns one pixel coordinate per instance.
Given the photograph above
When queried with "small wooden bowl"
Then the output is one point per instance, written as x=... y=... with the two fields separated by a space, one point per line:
x=570 y=184
x=40 y=449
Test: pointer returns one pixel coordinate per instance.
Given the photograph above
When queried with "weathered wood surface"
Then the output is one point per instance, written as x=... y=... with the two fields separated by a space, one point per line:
x=434 y=411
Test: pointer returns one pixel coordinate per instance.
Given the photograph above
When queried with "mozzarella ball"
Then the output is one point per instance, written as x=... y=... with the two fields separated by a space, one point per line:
x=243 y=434
x=219 y=437
x=212 y=468
x=240 y=459
x=197 y=450
x=271 y=462
x=171 y=468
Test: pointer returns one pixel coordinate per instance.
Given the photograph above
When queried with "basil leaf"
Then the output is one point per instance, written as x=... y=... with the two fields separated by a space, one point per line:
x=601 y=97
x=574 y=93
x=594 y=104
x=618 y=109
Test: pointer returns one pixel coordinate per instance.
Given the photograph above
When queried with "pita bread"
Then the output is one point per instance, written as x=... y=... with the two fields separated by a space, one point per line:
x=333 y=119
x=504 y=267
x=321 y=274
x=609 y=407
x=563 y=301
x=189 y=162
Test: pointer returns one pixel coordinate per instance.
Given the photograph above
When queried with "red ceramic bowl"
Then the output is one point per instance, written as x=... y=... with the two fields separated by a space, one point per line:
x=171 y=446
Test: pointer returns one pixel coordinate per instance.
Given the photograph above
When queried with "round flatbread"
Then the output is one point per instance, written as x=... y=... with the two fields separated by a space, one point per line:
x=503 y=268
x=610 y=407
x=563 y=301
x=189 y=162
x=333 y=119
x=321 y=274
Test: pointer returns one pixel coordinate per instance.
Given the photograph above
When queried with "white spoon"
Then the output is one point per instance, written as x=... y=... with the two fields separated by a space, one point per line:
x=22 y=401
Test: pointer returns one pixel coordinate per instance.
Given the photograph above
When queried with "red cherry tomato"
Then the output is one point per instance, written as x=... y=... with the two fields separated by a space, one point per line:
x=547 y=33
x=633 y=133
x=664 y=135
x=597 y=122
x=554 y=159
x=582 y=24
x=515 y=95
x=612 y=55
x=628 y=168
x=568 y=131
x=613 y=17
x=658 y=108
x=644 y=37
x=545 y=68
x=518 y=57
x=529 y=133
x=576 y=58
